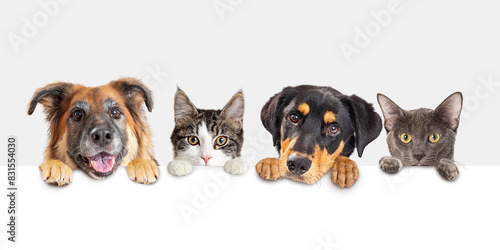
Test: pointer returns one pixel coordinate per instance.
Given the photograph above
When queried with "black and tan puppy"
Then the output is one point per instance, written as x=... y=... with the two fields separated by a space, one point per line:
x=97 y=129
x=316 y=129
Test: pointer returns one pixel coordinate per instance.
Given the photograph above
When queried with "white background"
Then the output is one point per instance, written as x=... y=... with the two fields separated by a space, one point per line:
x=426 y=51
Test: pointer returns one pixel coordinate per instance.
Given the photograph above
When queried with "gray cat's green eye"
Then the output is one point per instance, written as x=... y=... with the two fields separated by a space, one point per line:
x=221 y=141
x=193 y=140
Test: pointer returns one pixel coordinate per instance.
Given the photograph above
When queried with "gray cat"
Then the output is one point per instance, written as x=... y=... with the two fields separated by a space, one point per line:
x=422 y=137
x=204 y=137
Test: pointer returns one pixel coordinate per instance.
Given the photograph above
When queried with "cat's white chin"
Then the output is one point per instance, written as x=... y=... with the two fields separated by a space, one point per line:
x=179 y=168
x=236 y=166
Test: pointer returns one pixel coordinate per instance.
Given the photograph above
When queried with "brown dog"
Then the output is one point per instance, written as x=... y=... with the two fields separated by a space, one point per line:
x=97 y=129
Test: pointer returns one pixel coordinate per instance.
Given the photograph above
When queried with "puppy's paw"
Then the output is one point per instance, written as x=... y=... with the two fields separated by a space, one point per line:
x=143 y=171
x=236 y=166
x=344 y=172
x=179 y=168
x=268 y=169
x=447 y=169
x=56 y=172
x=390 y=164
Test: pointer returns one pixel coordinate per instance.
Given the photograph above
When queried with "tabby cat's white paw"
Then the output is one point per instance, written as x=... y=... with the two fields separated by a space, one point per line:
x=179 y=168
x=236 y=166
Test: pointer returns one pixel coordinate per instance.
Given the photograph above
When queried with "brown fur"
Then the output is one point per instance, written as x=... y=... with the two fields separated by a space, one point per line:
x=329 y=117
x=58 y=109
x=304 y=108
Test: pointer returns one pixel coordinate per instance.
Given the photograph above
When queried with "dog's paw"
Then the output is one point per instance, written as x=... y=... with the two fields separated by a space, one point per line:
x=236 y=166
x=390 y=164
x=179 y=168
x=447 y=169
x=344 y=172
x=56 y=172
x=143 y=171
x=268 y=169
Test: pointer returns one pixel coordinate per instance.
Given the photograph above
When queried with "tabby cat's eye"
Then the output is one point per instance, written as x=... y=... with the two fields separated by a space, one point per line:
x=434 y=137
x=221 y=141
x=405 y=138
x=193 y=140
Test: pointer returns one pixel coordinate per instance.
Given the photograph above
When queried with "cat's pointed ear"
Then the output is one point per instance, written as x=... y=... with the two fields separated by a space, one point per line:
x=449 y=110
x=184 y=109
x=234 y=110
x=390 y=110
x=51 y=97
x=366 y=121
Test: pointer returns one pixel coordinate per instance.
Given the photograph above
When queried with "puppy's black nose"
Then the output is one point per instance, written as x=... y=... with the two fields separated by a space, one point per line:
x=419 y=156
x=299 y=165
x=102 y=137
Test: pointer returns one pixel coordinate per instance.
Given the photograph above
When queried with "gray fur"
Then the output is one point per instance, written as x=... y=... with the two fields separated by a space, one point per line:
x=420 y=124
x=227 y=121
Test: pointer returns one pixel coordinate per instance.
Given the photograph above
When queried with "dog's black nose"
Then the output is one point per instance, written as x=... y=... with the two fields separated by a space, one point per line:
x=419 y=156
x=299 y=165
x=102 y=137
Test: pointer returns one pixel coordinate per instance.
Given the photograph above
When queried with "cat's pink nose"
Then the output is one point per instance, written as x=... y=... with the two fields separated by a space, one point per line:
x=206 y=158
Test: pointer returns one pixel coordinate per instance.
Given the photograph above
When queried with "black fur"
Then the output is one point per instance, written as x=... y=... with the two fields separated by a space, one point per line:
x=358 y=122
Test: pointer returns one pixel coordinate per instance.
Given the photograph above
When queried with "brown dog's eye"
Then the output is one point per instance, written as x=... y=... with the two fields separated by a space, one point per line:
x=333 y=130
x=115 y=113
x=77 y=115
x=294 y=118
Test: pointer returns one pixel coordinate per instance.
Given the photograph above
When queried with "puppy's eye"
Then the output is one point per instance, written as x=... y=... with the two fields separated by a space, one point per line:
x=434 y=137
x=115 y=113
x=77 y=115
x=221 y=141
x=294 y=118
x=193 y=140
x=333 y=130
x=405 y=138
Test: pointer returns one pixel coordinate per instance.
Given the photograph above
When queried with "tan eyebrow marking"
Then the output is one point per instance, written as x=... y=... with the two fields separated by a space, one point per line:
x=304 y=108
x=329 y=117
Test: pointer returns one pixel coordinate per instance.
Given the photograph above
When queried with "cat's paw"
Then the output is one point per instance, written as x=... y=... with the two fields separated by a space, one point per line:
x=390 y=164
x=447 y=169
x=56 y=172
x=236 y=166
x=179 y=168
x=344 y=172
x=143 y=171
x=268 y=169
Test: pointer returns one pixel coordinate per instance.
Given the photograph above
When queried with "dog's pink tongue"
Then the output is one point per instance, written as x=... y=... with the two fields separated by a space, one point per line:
x=102 y=162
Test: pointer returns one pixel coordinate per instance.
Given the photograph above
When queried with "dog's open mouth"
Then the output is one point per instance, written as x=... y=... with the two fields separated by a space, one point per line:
x=101 y=163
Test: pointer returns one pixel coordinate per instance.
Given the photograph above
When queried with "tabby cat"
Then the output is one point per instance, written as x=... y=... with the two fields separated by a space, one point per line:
x=422 y=137
x=203 y=137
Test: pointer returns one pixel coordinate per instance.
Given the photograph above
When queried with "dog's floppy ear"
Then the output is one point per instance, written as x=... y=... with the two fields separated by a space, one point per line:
x=184 y=109
x=234 y=110
x=450 y=110
x=271 y=114
x=367 y=122
x=135 y=91
x=51 y=97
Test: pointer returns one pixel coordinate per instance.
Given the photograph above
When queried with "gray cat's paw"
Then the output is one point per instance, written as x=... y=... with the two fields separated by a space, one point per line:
x=390 y=164
x=179 y=168
x=448 y=169
x=236 y=166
